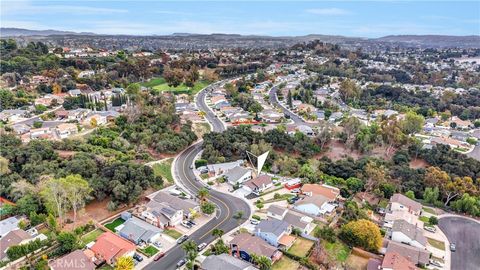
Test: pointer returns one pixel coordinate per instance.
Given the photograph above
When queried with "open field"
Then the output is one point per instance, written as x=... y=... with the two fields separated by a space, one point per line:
x=160 y=85
x=285 y=263
x=301 y=247
x=163 y=169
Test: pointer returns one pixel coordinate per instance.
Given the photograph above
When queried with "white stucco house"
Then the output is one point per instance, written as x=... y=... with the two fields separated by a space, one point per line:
x=407 y=233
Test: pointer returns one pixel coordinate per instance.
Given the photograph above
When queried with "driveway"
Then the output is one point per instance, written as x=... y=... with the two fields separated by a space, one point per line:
x=465 y=233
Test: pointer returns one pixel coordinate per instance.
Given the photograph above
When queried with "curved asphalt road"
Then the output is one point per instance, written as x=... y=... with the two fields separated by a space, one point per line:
x=227 y=205
x=272 y=96
x=465 y=233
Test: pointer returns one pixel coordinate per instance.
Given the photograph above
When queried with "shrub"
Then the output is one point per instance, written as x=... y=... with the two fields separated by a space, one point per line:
x=433 y=220
x=326 y=233
x=256 y=217
x=200 y=162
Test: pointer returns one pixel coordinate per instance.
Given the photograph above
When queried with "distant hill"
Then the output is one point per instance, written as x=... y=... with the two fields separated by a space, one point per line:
x=433 y=40
x=16 y=32
x=423 y=41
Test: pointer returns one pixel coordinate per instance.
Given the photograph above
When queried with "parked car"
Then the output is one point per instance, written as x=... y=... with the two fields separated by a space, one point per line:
x=137 y=257
x=181 y=263
x=157 y=244
x=293 y=200
x=182 y=239
x=159 y=256
x=201 y=246
x=186 y=225
x=254 y=222
x=191 y=222
x=430 y=229
x=296 y=190
x=453 y=247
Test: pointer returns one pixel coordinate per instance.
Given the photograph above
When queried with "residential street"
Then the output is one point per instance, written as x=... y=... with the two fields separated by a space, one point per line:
x=227 y=205
x=465 y=233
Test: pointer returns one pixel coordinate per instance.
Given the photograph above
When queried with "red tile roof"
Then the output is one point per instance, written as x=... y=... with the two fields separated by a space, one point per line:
x=110 y=246
x=395 y=261
x=326 y=191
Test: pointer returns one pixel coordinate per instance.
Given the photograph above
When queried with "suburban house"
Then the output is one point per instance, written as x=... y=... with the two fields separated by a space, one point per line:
x=13 y=115
x=110 y=247
x=76 y=260
x=238 y=175
x=162 y=215
x=169 y=205
x=407 y=233
x=400 y=202
x=416 y=255
x=272 y=231
x=258 y=184
x=245 y=244
x=139 y=231
x=220 y=168
x=332 y=193
x=316 y=205
x=295 y=219
x=395 y=261
x=66 y=130
x=12 y=238
x=224 y=261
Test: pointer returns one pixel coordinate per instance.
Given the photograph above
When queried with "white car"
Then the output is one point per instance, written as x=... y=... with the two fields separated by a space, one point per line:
x=430 y=229
x=254 y=221
x=186 y=225
x=201 y=246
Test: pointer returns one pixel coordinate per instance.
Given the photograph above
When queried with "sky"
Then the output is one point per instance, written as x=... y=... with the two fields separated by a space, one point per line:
x=276 y=18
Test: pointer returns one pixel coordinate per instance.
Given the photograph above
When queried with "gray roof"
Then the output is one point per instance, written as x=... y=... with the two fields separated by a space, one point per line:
x=8 y=225
x=404 y=200
x=138 y=230
x=177 y=203
x=224 y=261
x=295 y=219
x=275 y=226
x=277 y=210
x=413 y=254
x=234 y=174
x=409 y=230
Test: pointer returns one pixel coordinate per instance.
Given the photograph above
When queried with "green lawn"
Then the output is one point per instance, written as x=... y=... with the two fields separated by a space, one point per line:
x=111 y=226
x=429 y=210
x=160 y=86
x=91 y=236
x=172 y=233
x=164 y=170
x=285 y=263
x=149 y=251
x=301 y=247
x=154 y=82
x=424 y=219
x=106 y=267
x=436 y=244
x=337 y=251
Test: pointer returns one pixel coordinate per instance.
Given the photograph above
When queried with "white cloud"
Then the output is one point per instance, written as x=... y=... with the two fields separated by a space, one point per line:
x=22 y=7
x=328 y=11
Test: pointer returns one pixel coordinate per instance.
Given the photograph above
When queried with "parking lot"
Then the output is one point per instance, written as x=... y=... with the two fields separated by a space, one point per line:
x=465 y=233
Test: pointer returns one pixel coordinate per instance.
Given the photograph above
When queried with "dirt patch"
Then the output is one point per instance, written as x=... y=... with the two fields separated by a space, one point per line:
x=418 y=164
x=337 y=150
x=65 y=154
x=355 y=262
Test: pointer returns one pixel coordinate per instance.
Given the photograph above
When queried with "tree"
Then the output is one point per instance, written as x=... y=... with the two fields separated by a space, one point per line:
x=78 y=190
x=262 y=262
x=259 y=204
x=238 y=215
x=362 y=233
x=324 y=137
x=220 y=248
x=433 y=220
x=430 y=195
x=68 y=242
x=4 y=170
x=190 y=248
x=203 y=194
x=207 y=208
x=349 y=91
x=289 y=100
x=217 y=232
x=124 y=263
x=55 y=195
x=410 y=194
x=412 y=123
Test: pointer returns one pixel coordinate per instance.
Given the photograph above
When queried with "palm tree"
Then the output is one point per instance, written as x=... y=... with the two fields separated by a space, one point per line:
x=190 y=248
x=217 y=232
x=262 y=262
x=203 y=194
x=124 y=263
